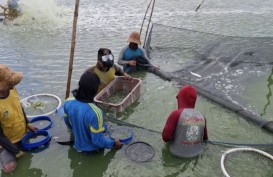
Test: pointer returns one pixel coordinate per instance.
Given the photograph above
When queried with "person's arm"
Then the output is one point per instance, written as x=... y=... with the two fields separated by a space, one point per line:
x=97 y=136
x=29 y=125
x=170 y=126
x=121 y=61
x=7 y=144
x=66 y=118
x=120 y=72
x=206 y=137
x=144 y=52
x=91 y=69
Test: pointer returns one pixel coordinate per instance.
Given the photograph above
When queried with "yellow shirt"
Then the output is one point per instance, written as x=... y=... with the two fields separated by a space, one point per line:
x=12 y=119
x=105 y=77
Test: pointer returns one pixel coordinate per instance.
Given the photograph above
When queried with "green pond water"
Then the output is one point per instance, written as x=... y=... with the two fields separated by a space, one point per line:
x=38 y=44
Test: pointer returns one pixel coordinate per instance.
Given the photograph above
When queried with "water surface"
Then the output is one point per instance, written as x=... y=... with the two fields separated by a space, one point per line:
x=38 y=44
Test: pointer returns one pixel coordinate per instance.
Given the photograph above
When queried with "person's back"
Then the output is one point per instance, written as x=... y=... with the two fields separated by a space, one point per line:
x=185 y=128
x=189 y=133
x=85 y=119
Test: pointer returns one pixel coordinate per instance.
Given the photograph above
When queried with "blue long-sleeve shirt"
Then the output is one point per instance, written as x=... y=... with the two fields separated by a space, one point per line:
x=86 y=122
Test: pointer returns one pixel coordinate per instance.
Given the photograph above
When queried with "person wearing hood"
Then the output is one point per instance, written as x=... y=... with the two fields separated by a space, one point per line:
x=132 y=56
x=106 y=69
x=85 y=119
x=13 y=121
x=185 y=127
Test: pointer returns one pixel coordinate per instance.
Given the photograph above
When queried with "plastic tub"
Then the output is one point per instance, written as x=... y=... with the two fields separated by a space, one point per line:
x=40 y=118
x=29 y=146
x=129 y=89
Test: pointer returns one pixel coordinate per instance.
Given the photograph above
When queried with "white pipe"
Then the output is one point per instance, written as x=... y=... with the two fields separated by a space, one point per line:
x=241 y=149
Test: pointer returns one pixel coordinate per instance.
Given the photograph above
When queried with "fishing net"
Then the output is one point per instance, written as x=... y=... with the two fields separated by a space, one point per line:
x=125 y=135
x=222 y=68
x=40 y=105
x=140 y=152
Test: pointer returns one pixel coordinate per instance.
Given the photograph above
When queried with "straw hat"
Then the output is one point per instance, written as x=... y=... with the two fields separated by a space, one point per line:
x=135 y=38
x=9 y=78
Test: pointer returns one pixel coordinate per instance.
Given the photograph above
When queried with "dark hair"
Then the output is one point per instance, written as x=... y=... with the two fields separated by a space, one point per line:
x=103 y=51
x=88 y=87
x=109 y=62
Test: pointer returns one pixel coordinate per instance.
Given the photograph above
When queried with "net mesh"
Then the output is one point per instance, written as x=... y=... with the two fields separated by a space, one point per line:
x=40 y=104
x=140 y=152
x=221 y=67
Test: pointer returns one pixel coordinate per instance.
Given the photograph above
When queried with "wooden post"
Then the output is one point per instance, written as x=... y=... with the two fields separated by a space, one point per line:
x=72 y=50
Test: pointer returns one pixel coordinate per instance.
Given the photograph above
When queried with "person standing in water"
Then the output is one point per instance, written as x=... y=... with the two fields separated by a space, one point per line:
x=185 y=127
x=85 y=119
x=106 y=69
x=13 y=120
x=132 y=56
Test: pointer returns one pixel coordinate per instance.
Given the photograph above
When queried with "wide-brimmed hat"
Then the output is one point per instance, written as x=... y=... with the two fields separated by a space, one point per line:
x=9 y=78
x=135 y=38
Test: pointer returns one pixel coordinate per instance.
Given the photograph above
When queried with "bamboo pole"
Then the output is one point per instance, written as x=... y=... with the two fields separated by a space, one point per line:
x=72 y=50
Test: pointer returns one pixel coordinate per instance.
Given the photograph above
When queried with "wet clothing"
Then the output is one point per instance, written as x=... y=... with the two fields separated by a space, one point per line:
x=86 y=122
x=189 y=133
x=88 y=86
x=12 y=119
x=185 y=128
x=6 y=157
x=13 y=127
x=126 y=54
x=106 y=77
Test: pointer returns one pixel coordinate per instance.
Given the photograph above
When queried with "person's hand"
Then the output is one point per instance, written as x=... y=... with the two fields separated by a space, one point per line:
x=117 y=144
x=132 y=62
x=127 y=76
x=31 y=128
x=19 y=154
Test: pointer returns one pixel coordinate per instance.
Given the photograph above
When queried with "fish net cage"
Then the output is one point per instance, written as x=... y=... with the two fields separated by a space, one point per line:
x=222 y=68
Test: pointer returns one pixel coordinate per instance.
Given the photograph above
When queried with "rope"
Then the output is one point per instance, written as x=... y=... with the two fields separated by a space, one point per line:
x=115 y=120
x=120 y=122
x=241 y=149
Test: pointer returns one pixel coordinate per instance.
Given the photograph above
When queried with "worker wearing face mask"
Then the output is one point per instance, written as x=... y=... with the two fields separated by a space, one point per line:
x=106 y=69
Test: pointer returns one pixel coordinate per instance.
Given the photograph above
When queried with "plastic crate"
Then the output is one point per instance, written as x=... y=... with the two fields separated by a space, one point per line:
x=130 y=89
